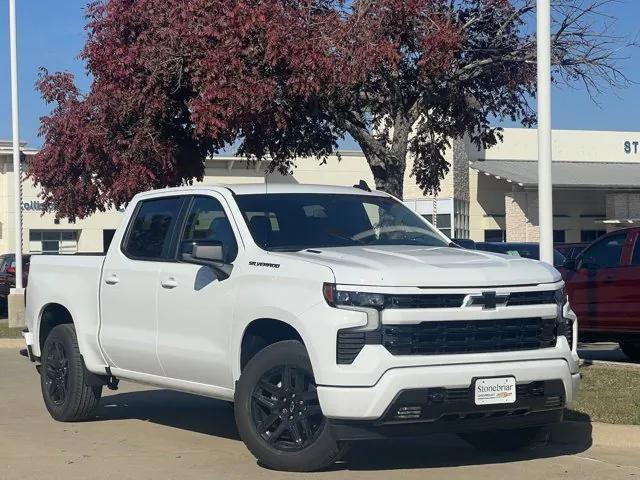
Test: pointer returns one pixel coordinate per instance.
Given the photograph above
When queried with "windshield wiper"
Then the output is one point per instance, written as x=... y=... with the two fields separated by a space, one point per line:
x=342 y=236
x=286 y=249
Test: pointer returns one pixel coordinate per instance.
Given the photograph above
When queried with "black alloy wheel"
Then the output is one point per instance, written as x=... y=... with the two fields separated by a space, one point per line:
x=278 y=412
x=56 y=373
x=66 y=391
x=285 y=408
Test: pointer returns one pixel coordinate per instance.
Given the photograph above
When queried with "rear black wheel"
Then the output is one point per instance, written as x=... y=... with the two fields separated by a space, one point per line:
x=278 y=412
x=507 y=440
x=62 y=377
x=631 y=350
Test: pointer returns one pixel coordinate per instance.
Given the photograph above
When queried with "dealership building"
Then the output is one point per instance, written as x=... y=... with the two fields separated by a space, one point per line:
x=488 y=195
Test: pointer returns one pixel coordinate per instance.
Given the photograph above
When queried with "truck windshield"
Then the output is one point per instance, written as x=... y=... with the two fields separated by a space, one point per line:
x=301 y=221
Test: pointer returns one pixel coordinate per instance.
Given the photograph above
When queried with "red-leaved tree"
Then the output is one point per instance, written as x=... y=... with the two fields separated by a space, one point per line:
x=177 y=80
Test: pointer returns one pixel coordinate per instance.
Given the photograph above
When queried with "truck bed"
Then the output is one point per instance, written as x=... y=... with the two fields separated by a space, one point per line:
x=72 y=282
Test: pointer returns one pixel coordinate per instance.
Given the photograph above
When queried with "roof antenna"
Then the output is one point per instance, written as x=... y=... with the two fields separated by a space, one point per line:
x=362 y=185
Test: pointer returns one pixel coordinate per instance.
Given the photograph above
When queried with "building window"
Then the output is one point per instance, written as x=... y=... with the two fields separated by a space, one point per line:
x=494 y=236
x=444 y=222
x=591 y=235
x=559 y=236
x=53 y=241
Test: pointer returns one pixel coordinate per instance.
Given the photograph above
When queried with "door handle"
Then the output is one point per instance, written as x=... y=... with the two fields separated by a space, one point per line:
x=609 y=279
x=112 y=280
x=169 y=283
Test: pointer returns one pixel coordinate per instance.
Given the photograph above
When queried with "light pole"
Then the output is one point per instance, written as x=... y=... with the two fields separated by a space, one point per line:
x=545 y=181
x=16 y=296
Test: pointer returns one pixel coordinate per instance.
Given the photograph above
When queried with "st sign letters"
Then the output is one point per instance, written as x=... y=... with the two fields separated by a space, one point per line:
x=632 y=147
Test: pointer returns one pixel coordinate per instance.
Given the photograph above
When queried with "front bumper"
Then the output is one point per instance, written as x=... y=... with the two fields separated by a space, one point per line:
x=350 y=430
x=28 y=339
x=373 y=403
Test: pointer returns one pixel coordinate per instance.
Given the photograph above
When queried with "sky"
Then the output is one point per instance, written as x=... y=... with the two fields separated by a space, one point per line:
x=51 y=35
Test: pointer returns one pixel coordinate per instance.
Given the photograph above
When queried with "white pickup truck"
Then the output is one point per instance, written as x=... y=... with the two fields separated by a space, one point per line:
x=326 y=314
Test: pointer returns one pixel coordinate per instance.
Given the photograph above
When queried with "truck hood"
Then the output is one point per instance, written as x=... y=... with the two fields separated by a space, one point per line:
x=405 y=266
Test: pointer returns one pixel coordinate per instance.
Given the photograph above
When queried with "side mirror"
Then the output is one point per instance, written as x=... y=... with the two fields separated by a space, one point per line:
x=209 y=253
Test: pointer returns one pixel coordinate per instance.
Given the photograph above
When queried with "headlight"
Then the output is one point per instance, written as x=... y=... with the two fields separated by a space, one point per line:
x=564 y=325
x=345 y=298
x=561 y=298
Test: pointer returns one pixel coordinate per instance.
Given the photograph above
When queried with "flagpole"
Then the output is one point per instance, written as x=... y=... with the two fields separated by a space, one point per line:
x=16 y=297
x=545 y=180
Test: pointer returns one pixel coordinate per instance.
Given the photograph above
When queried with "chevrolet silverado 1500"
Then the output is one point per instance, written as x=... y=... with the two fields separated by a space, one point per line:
x=326 y=314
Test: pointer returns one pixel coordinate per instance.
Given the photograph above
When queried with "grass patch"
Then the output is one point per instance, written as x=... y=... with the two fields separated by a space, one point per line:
x=6 y=332
x=609 y=394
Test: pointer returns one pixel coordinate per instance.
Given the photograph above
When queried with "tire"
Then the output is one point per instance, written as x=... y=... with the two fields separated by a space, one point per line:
x=631 y=350
x=282 y=425
x=62 y=378
x=507 y=440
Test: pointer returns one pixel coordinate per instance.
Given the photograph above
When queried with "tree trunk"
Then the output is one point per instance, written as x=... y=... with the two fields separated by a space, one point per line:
x=388 y=163
x=389 y=175
x=389 y=170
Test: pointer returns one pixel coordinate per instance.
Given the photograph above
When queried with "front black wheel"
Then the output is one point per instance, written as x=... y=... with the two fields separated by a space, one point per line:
x=278 y=413
x=507 y=440
x=63 y=378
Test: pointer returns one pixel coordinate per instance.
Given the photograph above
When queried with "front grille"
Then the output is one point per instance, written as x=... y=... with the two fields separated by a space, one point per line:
x=455 y=300
x=448 y=300
x=531 y=298
x=451 y=337
x=476 y=336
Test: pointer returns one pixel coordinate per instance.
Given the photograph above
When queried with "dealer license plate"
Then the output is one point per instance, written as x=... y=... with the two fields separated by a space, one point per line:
x=490 y=391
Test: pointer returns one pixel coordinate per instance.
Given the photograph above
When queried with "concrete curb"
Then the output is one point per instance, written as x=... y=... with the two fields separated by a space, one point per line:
x=606 y=363
x=17 y=343
x=599 y=434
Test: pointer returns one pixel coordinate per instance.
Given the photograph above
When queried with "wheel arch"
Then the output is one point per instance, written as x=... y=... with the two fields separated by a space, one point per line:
x=262 y=332
x=52 y=315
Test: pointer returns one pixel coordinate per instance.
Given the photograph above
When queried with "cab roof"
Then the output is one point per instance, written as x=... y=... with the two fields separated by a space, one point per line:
x=275 y=188
x=271 y=188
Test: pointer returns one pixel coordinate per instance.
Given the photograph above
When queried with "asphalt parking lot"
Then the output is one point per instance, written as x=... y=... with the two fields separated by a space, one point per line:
x=144 y=433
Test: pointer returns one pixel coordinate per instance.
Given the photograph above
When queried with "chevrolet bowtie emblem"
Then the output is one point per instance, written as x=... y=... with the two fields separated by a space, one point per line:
x=489 y=300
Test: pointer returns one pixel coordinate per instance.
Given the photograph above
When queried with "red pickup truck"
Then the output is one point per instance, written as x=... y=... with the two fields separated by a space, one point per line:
x=603 y=283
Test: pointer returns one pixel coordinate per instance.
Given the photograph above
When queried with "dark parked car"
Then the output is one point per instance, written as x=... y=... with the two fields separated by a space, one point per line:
x=603 y=283
x=571 y=250
x=8 y=274
x=525 y=250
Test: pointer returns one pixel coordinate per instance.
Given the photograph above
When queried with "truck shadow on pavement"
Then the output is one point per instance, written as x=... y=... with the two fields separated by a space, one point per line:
x=439 y=451
x=173 y=409
x=214 y=417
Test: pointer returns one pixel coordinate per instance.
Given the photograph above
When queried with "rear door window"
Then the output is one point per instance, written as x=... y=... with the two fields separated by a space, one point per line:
x=635 y=260
x=151 y=229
